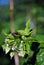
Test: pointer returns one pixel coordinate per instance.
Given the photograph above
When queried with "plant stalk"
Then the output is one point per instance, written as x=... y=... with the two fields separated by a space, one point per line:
x=16 y=57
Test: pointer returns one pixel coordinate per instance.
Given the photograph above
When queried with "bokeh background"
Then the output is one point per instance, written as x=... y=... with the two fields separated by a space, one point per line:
x=23 y=10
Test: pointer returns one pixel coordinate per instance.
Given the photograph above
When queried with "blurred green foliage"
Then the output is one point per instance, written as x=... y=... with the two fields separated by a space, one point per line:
x=37 y=15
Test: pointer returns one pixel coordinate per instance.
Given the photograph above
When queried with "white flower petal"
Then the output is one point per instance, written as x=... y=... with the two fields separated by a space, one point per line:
x=7 y=50
x=12 y=54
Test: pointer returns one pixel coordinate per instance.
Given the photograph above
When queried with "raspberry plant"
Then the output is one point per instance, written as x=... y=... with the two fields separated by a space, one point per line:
x=18 y=42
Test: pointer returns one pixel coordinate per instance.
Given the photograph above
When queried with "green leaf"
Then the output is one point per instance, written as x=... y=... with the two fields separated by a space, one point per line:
x=26 y=31
x=10 y=36
x=40 y=57
x=27 y=48
x=22 y=32
x=28 y=24
x=9 y=41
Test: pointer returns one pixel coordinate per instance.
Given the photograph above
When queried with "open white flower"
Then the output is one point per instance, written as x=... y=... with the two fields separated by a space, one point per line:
x=21 y=53
x=7 y=49
x=12 y=54
x=7 y=45
x=21 y=41
x=13 y=48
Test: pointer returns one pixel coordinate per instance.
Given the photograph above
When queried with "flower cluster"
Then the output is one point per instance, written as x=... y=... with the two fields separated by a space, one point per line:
x=15 y=44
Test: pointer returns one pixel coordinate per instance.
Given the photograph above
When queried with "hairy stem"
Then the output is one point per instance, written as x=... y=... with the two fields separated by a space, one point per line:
x=16 y=59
